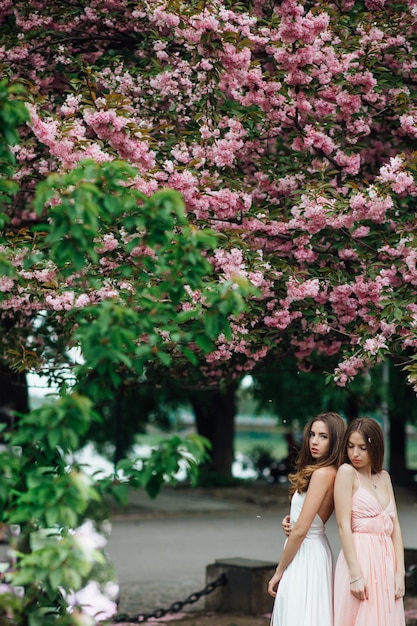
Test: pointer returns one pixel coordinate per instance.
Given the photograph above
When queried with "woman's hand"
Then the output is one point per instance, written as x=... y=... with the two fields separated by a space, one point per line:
x=273 y=584
x=286 y=525
x=399 y=585
x=359 y=589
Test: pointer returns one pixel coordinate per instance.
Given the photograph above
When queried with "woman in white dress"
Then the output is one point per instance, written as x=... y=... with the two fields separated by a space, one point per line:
x=302 y=584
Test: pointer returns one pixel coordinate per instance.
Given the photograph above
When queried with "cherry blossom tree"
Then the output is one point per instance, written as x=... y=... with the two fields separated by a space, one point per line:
x=288 y=127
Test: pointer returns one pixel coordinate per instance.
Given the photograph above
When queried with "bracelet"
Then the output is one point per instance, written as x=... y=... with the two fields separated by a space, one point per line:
x=352 y=582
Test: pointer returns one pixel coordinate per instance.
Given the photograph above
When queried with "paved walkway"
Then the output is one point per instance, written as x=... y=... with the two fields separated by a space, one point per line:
x=161 y=547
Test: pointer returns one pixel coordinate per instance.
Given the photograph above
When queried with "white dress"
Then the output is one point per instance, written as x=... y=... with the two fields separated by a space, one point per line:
x=305 y=591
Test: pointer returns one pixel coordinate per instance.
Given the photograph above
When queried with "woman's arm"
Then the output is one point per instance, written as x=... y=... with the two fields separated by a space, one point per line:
x=321 y=483
x=397 y=540
x=343 y=493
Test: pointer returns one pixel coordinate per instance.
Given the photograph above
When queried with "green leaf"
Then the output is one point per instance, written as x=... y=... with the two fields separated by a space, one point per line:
x=204 y=343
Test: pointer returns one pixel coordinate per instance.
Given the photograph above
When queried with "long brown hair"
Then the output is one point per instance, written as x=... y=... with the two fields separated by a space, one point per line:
x=373 y=437
x=306 y=464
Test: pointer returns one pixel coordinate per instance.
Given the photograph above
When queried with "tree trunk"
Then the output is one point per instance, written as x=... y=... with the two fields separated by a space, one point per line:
x=13 y=390
x=215 y=412
x=397 y=440
x=402 y=408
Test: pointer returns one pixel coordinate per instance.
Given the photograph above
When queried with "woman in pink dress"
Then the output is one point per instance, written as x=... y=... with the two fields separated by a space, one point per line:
x=370 y=575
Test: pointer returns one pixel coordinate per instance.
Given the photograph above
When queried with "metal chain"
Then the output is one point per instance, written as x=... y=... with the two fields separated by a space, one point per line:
x=175 y=606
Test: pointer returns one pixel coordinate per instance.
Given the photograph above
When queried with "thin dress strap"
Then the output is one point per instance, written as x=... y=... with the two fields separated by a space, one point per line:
x=358 y=475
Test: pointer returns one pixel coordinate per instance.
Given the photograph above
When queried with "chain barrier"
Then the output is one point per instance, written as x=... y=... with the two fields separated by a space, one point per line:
x=175 y=607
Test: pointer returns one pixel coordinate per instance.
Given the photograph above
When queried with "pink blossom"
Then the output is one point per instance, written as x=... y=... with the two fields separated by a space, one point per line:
x=236 y=59
x=6 y=283
x=358 y=202
x=348 y=254
x=374 y=344
x=315 y=139
x=377 y=206
x=258 y=279
x=164 y=18
x=305 y=346
x=45 y=275
x=361 y=231
x=110 y=126
x=95 y=152
x=60 y=302
x=82 y=301
x=358 y=128
x=138 y=251
x=373 y=35
x=148 y=187
x=409 y=124
x=350 y=164
x=322 y=328
x=300 y=290
x=108 y=243
x=387 y=329
x=348 y=369
x=45 y=131
x=231 y=263
x=304 y=253
x=404 y=182
x=107 y=292
x=281 y=319
x=224 y=152
x=393 y=173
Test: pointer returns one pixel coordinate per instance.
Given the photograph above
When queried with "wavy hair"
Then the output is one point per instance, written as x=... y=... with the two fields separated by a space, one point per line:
x=306 y=464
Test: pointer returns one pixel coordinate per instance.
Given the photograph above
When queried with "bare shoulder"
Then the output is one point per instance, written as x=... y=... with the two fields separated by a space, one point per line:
x=385 y=477
x=324 y=474
x=346 y=471
x=346 y=482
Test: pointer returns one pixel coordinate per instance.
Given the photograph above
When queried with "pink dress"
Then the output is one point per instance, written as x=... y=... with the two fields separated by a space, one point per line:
x=372 y=528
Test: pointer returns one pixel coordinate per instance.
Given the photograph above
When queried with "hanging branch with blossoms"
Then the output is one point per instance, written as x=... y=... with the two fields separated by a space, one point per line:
x=287 y=127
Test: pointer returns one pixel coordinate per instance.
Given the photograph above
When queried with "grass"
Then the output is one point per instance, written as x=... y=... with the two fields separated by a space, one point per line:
x=245 y=439
x=272 y=438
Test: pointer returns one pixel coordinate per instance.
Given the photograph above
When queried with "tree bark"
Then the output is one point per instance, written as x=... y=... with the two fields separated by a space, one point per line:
x=13 y=390
x=402 y=408
x=215 y=412
x=397 y=459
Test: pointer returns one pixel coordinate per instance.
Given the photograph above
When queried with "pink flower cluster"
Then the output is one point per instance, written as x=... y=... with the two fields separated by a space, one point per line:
x=399 y=180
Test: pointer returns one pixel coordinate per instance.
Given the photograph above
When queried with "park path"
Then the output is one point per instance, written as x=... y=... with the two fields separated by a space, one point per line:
x=161 y=547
